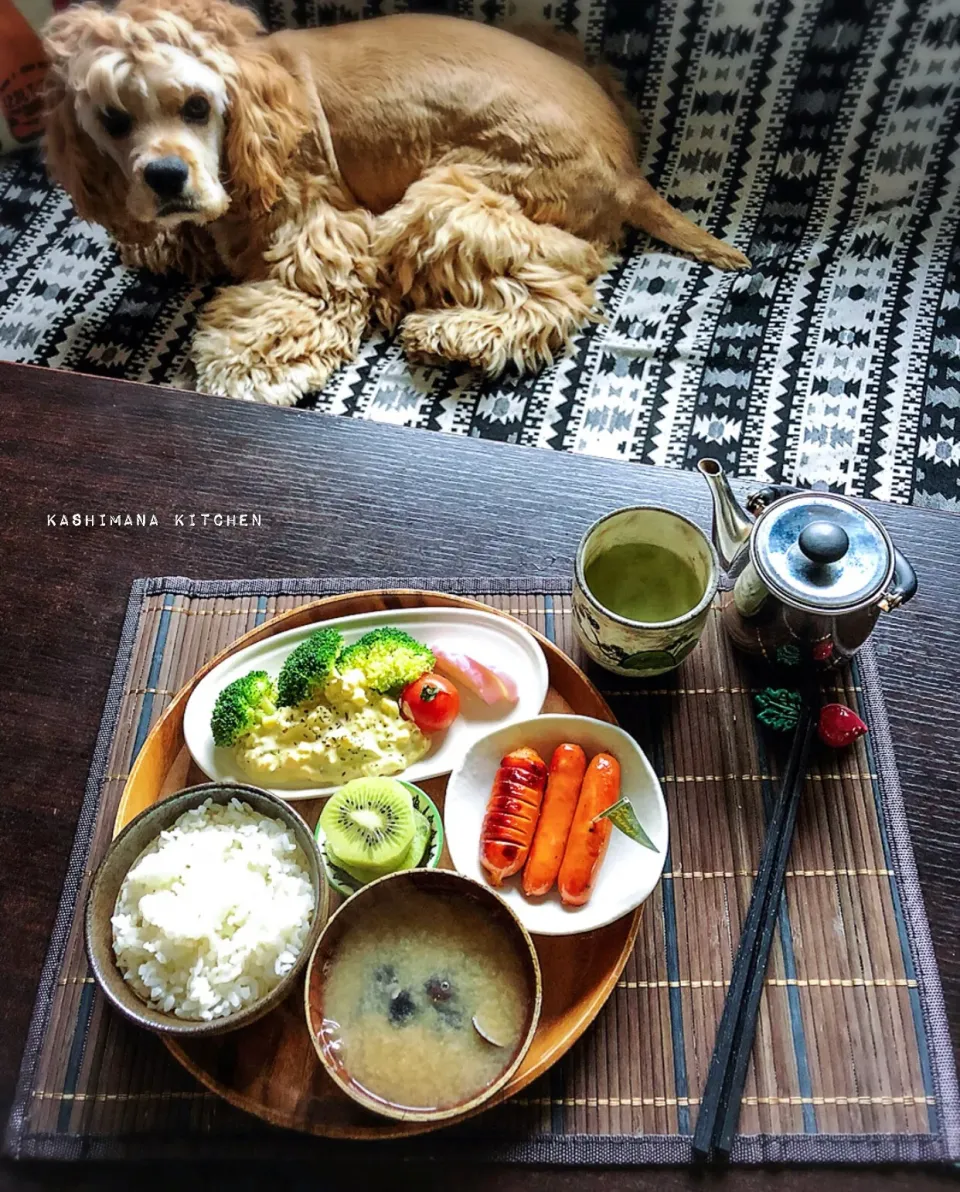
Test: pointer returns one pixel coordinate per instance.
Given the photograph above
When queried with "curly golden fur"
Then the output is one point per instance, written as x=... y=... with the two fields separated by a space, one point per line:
x=454 y=180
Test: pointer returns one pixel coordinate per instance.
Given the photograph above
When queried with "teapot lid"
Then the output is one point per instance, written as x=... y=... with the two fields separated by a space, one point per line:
x=821 y=552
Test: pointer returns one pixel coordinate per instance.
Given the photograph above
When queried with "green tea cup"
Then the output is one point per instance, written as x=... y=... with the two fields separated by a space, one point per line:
x=643 y=583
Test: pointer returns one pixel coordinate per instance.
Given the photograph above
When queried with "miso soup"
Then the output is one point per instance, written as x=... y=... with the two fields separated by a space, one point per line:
x=426 y=1001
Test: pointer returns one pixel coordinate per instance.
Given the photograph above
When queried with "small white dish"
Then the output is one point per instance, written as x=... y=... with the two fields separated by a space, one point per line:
x=629 y=872
x=492 y=640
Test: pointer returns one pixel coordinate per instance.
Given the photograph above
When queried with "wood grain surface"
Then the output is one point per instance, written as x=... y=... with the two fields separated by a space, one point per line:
x=344 y=497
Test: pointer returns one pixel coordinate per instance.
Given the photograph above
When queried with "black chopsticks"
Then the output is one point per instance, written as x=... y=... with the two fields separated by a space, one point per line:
x=720 y=1105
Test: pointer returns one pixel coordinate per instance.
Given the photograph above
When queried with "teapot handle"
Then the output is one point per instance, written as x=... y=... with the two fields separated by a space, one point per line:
x=759 y=500
x=903 y=586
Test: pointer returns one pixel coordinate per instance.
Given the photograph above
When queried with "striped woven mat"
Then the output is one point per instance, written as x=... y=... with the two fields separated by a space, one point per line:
x=853 y=1061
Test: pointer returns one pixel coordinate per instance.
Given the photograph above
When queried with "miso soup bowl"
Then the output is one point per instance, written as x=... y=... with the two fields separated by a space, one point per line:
x=442 y=883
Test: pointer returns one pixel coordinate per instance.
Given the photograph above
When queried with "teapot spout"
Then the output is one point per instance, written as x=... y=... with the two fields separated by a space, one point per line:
x=731 y=524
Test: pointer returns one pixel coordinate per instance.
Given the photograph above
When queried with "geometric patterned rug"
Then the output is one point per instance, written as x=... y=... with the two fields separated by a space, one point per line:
x=822 y=137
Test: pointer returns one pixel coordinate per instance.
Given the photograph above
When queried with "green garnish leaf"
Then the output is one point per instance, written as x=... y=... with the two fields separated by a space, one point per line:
x=623 y=817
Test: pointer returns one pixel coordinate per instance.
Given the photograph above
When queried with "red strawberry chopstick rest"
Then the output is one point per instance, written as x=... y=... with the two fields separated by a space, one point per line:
x=839 y=726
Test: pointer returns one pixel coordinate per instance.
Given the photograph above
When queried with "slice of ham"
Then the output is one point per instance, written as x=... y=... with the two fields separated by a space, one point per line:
x=489 y=683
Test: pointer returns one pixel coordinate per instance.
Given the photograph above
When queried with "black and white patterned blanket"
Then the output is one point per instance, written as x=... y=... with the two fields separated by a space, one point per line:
x=822 y=136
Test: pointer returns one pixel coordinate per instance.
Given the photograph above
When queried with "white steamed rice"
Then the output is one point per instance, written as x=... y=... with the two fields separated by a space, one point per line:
x=214 y=913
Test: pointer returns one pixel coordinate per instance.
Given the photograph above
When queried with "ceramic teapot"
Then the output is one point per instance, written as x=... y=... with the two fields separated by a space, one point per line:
x=808 y=577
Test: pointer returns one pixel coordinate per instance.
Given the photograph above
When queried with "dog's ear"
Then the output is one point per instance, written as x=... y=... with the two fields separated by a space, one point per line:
x=228 y=24
x=91 y=179
x=267 y=117
x=87 y=175
x=69 y=32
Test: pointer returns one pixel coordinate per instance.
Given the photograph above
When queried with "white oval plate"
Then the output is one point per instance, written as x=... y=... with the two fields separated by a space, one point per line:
x=629 y=872
x=490 y=639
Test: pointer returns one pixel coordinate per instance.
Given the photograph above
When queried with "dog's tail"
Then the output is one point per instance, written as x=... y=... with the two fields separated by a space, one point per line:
x=566 y=45
x=645 y=209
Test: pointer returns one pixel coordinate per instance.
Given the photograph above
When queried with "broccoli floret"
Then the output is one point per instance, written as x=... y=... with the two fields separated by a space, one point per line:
x=241 y=706
x=388 y=658
x=308 y=667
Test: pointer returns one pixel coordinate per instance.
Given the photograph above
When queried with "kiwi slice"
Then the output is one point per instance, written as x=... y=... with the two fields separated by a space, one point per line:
x=358 y=872
x=418 y=846
x=369 y=823
x=410 y=859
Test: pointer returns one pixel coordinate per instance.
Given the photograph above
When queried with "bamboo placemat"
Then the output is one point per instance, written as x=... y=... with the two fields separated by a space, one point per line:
x=853 y=1061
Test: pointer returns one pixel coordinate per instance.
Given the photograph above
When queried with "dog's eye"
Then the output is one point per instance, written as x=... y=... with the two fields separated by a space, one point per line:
x=196 y=109
x=117 y=123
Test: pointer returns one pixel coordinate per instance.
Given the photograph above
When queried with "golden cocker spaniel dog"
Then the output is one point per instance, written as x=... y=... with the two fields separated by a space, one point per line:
x=443 y=176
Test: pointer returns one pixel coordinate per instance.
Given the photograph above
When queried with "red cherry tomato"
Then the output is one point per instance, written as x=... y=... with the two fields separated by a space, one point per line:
x=430 y=702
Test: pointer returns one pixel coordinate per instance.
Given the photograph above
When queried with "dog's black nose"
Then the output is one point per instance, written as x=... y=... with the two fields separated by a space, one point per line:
x=167 y=176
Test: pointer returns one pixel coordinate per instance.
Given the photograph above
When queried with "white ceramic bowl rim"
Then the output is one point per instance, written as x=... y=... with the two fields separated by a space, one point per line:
x=540 y=916
x=709 y=592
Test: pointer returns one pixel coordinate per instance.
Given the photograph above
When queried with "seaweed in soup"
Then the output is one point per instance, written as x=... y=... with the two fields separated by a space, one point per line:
x=385 y=976
x=402 y=1007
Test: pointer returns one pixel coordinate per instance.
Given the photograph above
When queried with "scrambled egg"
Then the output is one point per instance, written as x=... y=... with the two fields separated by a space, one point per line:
x=349 y=732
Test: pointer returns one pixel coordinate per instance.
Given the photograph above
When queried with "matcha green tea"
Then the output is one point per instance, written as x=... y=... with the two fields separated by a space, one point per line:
x=643 y=582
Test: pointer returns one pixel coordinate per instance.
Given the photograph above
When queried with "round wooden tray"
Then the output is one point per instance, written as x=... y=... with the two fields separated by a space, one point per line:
x=270 y=1067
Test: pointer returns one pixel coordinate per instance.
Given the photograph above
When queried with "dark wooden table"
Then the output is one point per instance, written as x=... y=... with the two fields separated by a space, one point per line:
x=341 y=497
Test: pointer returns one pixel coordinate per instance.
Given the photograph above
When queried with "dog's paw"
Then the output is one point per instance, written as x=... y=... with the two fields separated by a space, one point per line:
x=444 y=337
x=265 y=343
x=250 y=376
x=263 y=384
x=489 y=340
x=420 y=342
x=723 y=256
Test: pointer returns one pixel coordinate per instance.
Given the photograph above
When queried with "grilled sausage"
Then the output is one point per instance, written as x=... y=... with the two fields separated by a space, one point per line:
x=512 y=812
x=587 y=842
x=567 y=767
